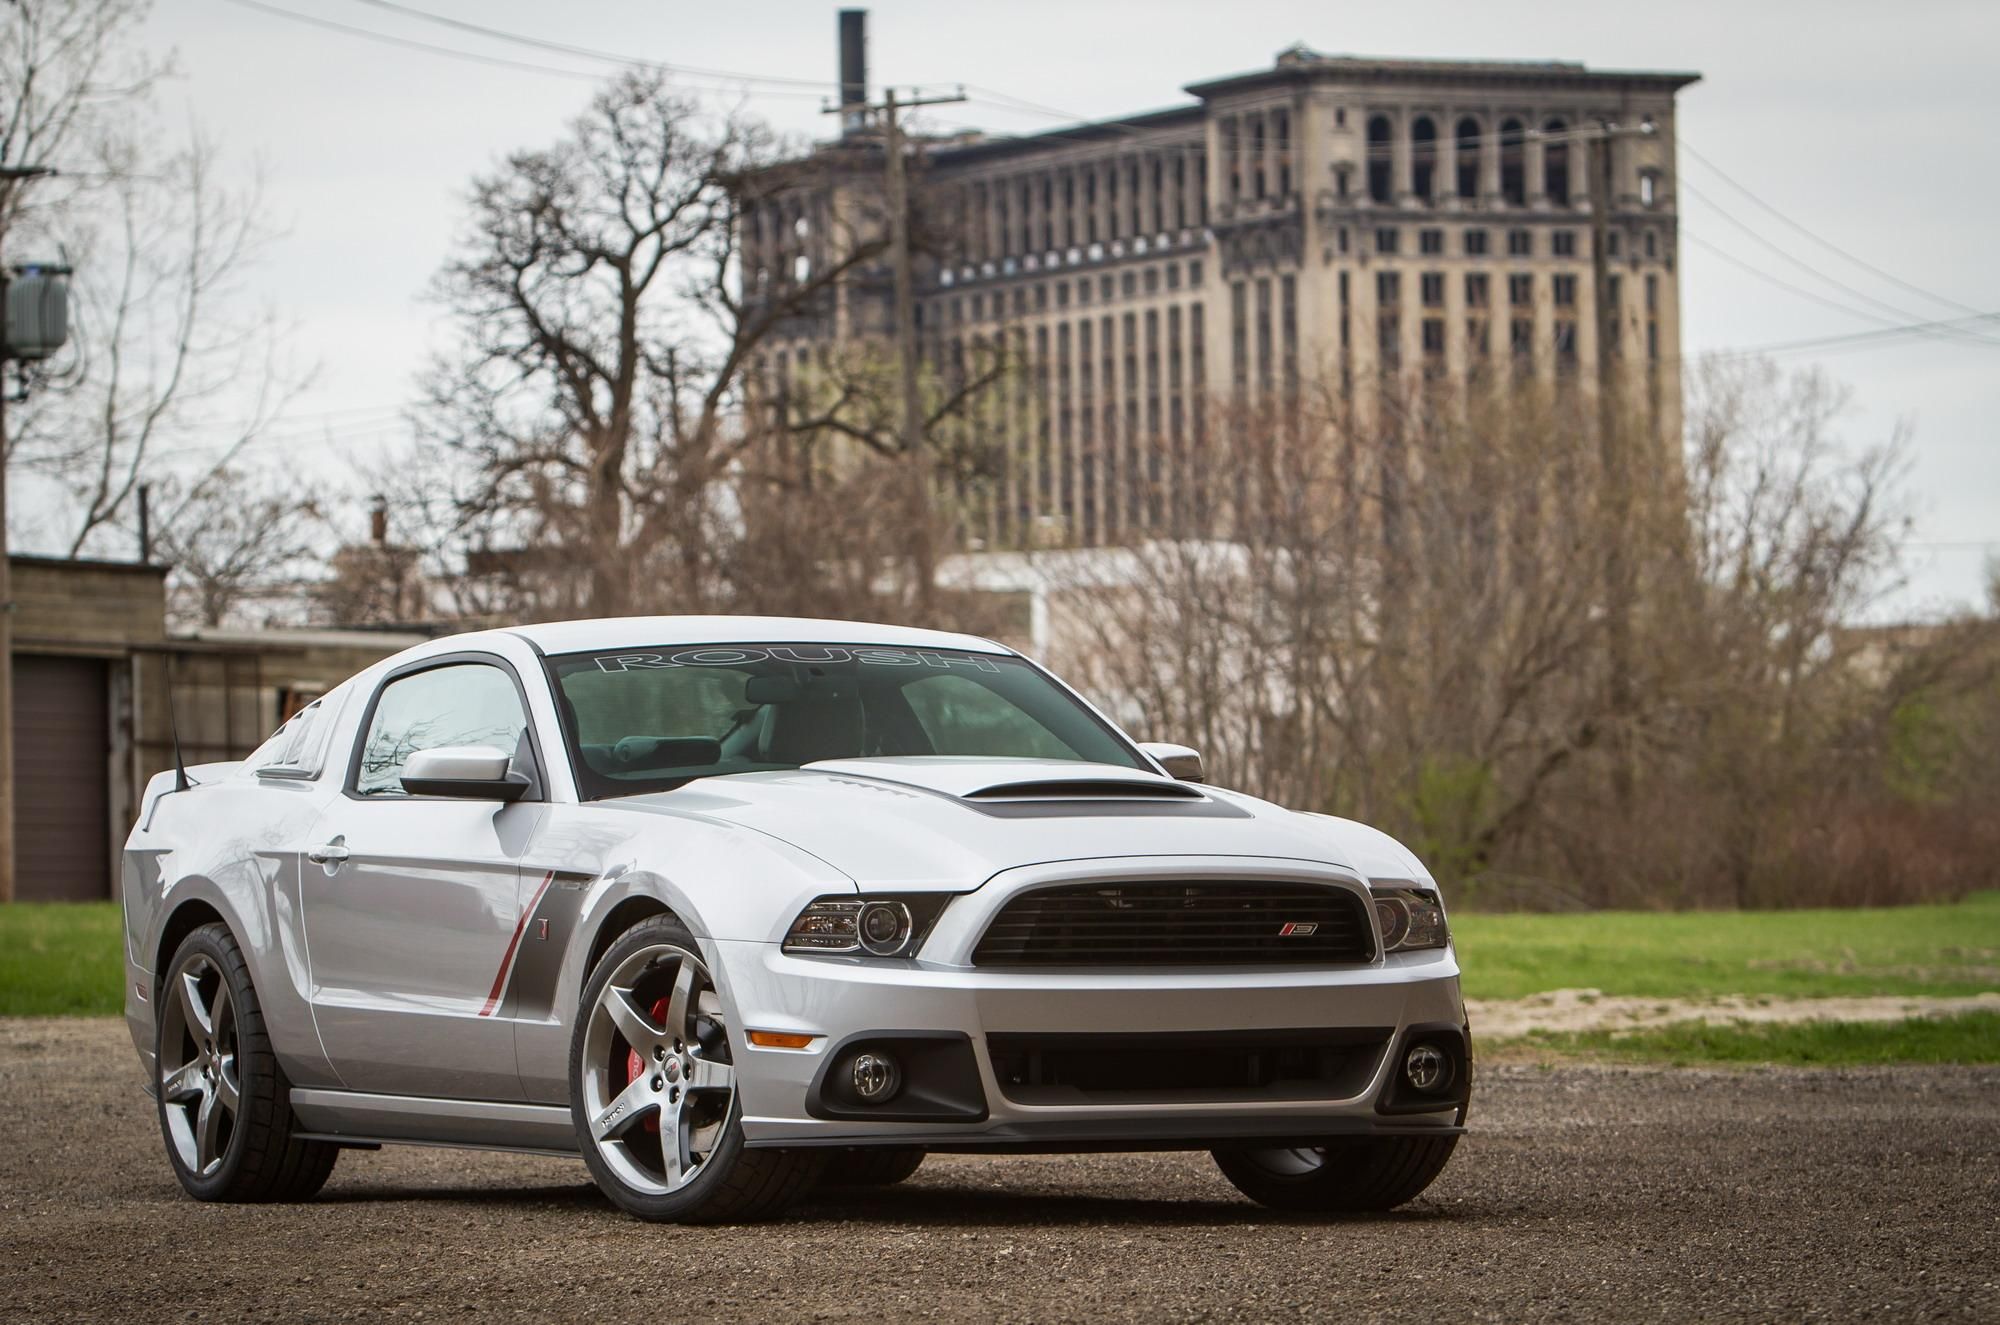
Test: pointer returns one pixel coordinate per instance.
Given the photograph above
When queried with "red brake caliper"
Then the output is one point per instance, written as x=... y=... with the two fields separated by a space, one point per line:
x=635 y=1063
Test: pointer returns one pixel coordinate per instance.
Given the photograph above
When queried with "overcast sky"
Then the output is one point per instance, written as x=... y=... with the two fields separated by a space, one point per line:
x=1872 y=125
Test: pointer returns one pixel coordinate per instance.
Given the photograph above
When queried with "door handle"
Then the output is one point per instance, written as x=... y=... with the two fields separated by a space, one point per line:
x=328 y=853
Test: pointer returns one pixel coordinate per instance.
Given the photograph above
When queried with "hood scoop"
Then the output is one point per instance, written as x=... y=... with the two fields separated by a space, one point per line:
x=1005 y=781
x=1084 y=789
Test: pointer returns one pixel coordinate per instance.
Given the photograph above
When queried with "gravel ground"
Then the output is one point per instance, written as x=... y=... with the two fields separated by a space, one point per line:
x=1583 y=1193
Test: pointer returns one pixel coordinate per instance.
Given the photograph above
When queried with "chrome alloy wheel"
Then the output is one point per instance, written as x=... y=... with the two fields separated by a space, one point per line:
x=657 y=1085
x=198 y=1057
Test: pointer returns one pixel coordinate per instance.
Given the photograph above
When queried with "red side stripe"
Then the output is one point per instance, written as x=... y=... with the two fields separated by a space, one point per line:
x=507 y=960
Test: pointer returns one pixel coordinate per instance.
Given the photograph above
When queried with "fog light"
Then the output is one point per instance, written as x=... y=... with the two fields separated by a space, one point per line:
x=1428 y=1069
x=876 y=1077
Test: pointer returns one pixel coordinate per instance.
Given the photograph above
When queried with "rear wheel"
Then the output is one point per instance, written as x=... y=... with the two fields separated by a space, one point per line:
x=653 y=1090
x=871 y=1168
x=224 y=1104
x=1345 y=1174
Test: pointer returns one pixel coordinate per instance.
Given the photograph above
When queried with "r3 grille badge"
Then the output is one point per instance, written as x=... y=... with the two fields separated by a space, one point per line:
x=1298 y=929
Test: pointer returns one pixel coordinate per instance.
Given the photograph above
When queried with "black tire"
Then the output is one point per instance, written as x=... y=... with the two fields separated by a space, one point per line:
x=261 y=1158
x=1351 y=1174
x=883 y=1167
x=734 y=1184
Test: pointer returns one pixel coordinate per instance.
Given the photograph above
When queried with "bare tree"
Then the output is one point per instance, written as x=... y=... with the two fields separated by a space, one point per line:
x=165 y=346
x=235 y=538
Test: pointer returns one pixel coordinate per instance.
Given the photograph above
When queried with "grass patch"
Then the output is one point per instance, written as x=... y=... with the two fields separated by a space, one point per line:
x=1946 y=949
x=1973 y=1037
x=61 y=959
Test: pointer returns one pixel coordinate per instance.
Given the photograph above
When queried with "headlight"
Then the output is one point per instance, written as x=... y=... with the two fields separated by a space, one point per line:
x=1410 y=918
x=871 y=926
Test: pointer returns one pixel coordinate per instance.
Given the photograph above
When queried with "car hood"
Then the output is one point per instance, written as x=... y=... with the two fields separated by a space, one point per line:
x=951 y=824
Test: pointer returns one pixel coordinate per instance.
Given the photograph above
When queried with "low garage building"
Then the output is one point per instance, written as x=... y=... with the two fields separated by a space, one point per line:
x=90 y=724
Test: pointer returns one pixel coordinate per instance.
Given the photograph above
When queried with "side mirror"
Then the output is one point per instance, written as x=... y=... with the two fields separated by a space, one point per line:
x=469 y=772
x=1180 y=761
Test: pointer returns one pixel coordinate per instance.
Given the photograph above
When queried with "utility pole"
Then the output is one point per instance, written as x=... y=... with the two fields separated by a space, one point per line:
x=916 y=455
x=10 y=176
x=1614 y=456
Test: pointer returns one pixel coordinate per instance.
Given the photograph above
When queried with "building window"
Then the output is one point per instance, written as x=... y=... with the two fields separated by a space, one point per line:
x=1379 y=181
x=1385 y=239
x=1105 y=290
x=1652 y=245
x=1062 y=294
x=1128 y=285
x=1475 y=243
x=1649 y=188
x=1562 y=243
x=1565 y=291
x=1521 y=290
x=1194 y=272
x=1565 y=346
x=1611 y=244
x=1151 y=280
x=1521 y=337
x=1341 y=238
x=1513 y=164
x=1468 y=158
x=1424 y=157
x=1041 y=298
x=1477 y=337
x=1555 y=163
x=1430 y=241
x=1652 y=294
x=1431 y=288
x=1433 y=333
x=1389 y=339
x=1520 y=243
x=1083 y=291
x=1388 y=288
x=1476 y=289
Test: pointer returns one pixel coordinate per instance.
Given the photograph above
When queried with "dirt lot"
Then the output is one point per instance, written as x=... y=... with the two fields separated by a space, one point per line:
x=1583 y=1193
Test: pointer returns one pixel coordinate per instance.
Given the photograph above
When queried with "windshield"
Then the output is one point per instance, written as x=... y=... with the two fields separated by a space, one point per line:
x=642 y=720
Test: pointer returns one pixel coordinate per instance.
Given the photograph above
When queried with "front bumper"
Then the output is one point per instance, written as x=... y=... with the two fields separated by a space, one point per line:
x=1375 y=1008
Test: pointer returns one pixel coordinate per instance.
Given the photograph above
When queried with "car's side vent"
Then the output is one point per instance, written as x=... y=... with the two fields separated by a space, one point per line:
x=1086 y=789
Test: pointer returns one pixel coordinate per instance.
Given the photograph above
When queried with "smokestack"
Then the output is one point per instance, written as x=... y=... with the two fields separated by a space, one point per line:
x=853 y=71
x=378 y=520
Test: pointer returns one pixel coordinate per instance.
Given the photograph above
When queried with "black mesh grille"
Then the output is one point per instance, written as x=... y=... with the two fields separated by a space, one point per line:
x=1179 y=924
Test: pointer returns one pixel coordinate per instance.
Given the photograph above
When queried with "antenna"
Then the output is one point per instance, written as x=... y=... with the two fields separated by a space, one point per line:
x=181 y=779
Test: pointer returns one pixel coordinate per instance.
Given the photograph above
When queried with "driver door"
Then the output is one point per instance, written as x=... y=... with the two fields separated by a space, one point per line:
x=414 y=904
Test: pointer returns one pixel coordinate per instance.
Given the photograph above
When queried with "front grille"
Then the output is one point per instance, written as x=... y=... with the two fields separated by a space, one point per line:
x=1179 y=924
x=1217 y=1066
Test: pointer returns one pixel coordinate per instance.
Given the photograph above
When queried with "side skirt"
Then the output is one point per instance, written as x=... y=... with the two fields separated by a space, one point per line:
x=352 y=1117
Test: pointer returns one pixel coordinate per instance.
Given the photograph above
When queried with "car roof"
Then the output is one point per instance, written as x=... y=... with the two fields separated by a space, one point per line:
x=638 y=632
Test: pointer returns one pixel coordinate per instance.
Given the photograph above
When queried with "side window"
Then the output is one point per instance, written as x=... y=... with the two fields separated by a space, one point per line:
x=457 y=704
x=963 y=717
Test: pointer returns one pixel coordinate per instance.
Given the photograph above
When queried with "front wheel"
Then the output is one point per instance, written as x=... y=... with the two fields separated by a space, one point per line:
x=1345 y=1174
x=653 y=1090
x=224 y=1104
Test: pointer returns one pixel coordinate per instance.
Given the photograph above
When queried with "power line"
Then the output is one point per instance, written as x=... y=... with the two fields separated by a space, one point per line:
x=1781 y=282
x=589 y=52
x=1856 y=339
x=1807 y=267
x=409 y=43
x=474 y=57
x=1824 y=243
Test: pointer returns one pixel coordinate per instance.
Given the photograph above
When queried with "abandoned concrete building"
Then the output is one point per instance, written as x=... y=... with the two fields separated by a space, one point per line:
x=1362 y=223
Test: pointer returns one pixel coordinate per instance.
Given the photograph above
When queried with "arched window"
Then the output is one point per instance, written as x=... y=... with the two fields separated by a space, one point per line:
x=1380 y=186
x=1649 y=187
x=1468 y=158
x=1555 y=164
x=1424 y=157
x=1513 y=165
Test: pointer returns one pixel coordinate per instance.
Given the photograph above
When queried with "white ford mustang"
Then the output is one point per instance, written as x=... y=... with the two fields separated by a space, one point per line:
x=736 y=906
